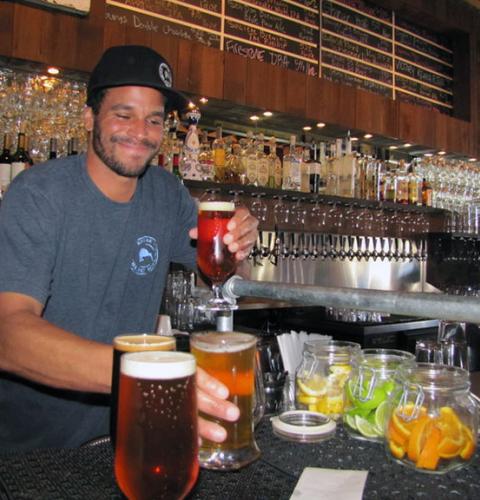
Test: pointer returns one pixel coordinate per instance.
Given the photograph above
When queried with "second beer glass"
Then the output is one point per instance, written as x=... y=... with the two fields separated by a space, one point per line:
x=132 y=343
x=156 y=454
x=230 y=358
x=214 y=259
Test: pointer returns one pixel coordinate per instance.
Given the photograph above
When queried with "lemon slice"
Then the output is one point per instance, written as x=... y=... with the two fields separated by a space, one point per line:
x=314 y=387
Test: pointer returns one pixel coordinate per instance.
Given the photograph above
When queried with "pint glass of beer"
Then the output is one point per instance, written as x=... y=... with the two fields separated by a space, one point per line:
x=156 y=454
x=132 y=343
x=214 y=259
x=230 y=358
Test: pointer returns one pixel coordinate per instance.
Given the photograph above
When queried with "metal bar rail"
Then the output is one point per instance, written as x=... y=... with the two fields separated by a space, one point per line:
x=425 y=305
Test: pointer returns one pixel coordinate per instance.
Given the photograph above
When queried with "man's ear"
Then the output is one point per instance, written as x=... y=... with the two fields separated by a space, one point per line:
x=88 y=118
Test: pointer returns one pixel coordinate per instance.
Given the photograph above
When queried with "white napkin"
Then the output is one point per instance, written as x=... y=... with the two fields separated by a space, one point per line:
x=330 y=484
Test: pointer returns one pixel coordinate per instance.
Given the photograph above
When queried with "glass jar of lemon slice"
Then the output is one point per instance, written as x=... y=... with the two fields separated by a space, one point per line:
x=431 y=418
x=322 y=374
x=367 y=389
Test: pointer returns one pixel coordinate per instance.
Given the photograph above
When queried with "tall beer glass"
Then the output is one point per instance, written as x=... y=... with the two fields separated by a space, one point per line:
x=132 y=343
x=229 y=357
x=156 y=455
x=214 y=259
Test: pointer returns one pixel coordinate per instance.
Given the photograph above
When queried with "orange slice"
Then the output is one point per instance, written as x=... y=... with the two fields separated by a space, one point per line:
x=429 y=456
x=397 y=451
x=469 y=447
x=417 y=437
x=450 y=447
x=395 y=436
x=404 y=427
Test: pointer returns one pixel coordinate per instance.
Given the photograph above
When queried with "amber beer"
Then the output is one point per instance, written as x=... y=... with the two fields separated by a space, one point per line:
x=156 y=455
x=213 y=257
x=132 y=343
x=230 y=358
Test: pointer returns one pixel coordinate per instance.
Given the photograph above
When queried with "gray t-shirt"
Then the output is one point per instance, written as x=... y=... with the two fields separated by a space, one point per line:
x=98 y=266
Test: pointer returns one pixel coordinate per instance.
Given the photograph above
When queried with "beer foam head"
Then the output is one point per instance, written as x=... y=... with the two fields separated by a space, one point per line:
x=216 y=206
x=223 y=341
x=157 y=365
x=149 y=341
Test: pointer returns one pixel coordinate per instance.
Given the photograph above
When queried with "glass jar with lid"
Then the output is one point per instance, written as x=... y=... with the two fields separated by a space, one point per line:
x=367 y=389
x=321 y=376
x=431 y=418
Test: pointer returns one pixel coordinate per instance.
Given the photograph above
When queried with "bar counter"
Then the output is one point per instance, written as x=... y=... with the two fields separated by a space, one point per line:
x=87 y=472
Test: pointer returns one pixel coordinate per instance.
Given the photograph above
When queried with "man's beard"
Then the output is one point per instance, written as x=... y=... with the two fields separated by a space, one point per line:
x=114 y=164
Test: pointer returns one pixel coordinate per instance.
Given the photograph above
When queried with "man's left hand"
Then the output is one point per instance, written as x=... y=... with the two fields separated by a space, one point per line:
x=242 y=233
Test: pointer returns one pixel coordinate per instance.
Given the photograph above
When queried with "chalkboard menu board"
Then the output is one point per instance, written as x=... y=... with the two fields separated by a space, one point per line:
x=348 y=41
x=287 y=33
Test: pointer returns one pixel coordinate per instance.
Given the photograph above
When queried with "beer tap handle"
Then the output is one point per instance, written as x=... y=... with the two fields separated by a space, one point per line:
x=315 y=237
x=294 y=243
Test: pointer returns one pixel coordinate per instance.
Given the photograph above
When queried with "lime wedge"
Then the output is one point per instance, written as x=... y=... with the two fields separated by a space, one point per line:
x=350 y=421
x=380 y=415
x=365 y=428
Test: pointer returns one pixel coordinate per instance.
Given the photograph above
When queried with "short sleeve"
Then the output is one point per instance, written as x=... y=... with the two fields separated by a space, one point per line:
x=28 y=240
x=183 y=248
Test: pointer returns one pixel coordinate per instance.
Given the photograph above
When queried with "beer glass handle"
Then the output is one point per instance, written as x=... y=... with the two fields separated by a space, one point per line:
x=259 y=393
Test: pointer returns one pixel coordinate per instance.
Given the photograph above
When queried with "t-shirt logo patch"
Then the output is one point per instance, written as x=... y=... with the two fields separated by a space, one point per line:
x=146 y=256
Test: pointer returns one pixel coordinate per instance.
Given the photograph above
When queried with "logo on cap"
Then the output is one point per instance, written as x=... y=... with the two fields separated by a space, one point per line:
x=165 y=74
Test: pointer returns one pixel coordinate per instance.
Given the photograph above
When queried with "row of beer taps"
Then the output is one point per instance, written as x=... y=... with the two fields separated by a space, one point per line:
x=280 y=244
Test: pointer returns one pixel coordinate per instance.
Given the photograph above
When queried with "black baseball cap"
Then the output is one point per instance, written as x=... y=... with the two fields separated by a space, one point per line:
x=135 y=65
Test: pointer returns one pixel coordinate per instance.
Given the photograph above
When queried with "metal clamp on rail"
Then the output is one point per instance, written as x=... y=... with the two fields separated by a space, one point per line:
x=421 y=304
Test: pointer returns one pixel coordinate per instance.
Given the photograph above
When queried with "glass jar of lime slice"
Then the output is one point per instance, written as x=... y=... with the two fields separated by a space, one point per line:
x=322 y=374
x=431 y=419
x=367 y=389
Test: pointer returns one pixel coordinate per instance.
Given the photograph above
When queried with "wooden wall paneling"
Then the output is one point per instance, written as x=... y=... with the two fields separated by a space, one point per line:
x=90 y=36
x=257 y=85
x=27 y=42
x=6 y=28
x=277 y=87
x=442 y=123
x=200 y=70
x=59 y=43
x=315 y=106
x=416 y=124
x=235 y=78
x=134 y=36
x=296 y=95
x=375 y=114
x=114 y=34
x=458 y=136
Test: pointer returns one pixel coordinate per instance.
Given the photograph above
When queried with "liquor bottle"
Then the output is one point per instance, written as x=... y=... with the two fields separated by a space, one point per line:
x=189 y=163
x=262 y=162
x=401 y=184
x=276 y=162
x=5 y=164
x=294 y=166
x=304 y=169
x=52 y=154
x=271 y=165
x=314 y=167
x=242 y=160
x=427 y=193
x=232 y=164
x=218 y=148
x=251 y=154
x=332 y=173
x=205 y=159
x=73 y=146
x=20 y=158
x=323 y=169
x=414 y=187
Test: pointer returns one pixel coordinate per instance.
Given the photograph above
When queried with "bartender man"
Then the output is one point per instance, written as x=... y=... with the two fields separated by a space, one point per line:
x=85 y=246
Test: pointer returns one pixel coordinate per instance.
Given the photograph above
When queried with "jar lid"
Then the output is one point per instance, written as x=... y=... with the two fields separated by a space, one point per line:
x=303 y=426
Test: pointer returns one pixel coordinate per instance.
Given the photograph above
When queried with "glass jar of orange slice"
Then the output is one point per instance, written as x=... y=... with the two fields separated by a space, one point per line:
x=367 y=390
x=321 y=376
x=431 y=418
